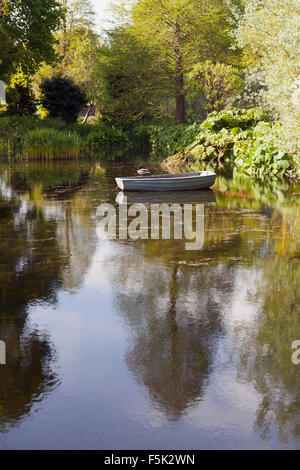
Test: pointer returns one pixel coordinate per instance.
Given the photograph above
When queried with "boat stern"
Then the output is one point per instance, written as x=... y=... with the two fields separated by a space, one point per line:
x=120 y=183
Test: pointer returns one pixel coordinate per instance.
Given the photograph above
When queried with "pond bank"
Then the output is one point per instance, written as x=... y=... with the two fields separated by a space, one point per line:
x=245 y=139
x=32 y=138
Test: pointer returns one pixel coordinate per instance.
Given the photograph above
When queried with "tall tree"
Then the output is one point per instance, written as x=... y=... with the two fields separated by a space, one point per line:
x=77 y=48
x=130 y=84
x=79 y=14
x=184 y=32
x=26 y=34
x=270 y=31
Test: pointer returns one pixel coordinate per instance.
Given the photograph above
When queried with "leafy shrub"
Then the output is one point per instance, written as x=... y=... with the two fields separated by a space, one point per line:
x=252 y=148
x=139 y=136
x=61 y=97
x=103 y=136
x=260 y=157
x=166 y=141
x=21 y=101
x=233 y=117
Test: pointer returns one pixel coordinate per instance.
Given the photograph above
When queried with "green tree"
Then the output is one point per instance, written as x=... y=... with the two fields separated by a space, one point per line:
x=184 y=32
x=26 y=34
x=131 y=87
x=218 y=83
x=21 y=100
x=79 y=14
x=270 y=32
x=77 y=48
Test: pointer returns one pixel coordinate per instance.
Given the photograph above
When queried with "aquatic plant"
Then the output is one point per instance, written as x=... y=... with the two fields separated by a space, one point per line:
x=49 y=144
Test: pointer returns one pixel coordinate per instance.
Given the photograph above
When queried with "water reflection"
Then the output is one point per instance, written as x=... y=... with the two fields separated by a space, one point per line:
x=174 y=303
x=157 y=197
x=266 y=360
x=44 y=247
x=178 y=309
x=174 y=323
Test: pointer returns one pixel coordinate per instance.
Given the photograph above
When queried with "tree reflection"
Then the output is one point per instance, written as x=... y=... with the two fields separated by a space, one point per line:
x=45 y=246
x=172 y=301
x=28 y=374
x=267 y=360
x=174 y=316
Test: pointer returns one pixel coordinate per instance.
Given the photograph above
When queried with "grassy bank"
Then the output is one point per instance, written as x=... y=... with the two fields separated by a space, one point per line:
x=247 y=141
x=29 y=137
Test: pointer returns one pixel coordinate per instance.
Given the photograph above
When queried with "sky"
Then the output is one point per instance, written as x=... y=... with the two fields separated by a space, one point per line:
x=103 y=15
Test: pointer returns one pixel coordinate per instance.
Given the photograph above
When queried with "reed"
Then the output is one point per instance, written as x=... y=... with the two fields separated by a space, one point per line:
x=2 y=148
x=50 y=144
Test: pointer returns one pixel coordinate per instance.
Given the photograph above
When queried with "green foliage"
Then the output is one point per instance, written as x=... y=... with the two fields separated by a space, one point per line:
x=269 y=32
x=233 y=117
x=260 y=157
x=26 y=34
x=77 y=47
x=2 y=148
x=168 y=140
x=102 y=136
x=61 y=97
x=240 y=138
x=177 y=34
x=217 y=83
x=21 y=101
x=130 y=84
x=29 y=136
x=220 y=129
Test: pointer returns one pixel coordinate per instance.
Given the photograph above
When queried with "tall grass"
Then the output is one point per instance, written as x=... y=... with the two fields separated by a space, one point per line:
x=49 y=144
x=29 y=137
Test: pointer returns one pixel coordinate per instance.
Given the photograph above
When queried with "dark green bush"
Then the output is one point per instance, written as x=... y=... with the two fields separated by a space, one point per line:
x=61 y=97
x=21 y=101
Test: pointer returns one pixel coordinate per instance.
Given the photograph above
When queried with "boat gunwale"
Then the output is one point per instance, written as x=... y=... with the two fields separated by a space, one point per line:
x=167 y=176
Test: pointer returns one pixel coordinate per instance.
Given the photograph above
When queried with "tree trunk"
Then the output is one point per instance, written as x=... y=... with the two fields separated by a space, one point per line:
x=179 y=76
x=88 y=113
x=180 y=107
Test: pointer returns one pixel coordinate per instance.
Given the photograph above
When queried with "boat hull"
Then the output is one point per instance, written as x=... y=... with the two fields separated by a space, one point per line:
x=180 y=182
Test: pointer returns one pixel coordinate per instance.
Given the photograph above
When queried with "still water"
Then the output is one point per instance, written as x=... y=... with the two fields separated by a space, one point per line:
x=123 y=344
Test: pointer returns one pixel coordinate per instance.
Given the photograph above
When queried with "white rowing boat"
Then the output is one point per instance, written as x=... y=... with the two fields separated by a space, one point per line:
x=167 y=182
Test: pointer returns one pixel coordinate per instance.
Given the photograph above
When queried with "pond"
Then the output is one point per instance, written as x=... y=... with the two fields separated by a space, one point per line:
x=138 y=344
